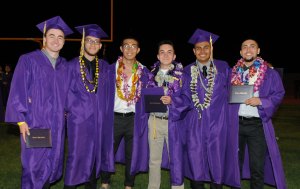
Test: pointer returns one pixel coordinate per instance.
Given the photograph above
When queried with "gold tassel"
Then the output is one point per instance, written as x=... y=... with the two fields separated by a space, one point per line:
x=82 y=43
x=211 y=48
x=154 y=127
x=44 y=34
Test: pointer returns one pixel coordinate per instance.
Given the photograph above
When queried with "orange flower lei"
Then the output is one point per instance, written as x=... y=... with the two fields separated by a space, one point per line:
x=123 y=93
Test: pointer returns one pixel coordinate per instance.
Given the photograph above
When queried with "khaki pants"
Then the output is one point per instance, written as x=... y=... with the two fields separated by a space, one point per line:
x=158 y=134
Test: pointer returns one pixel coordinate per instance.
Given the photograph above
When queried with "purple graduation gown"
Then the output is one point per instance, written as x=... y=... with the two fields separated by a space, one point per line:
x=206 y=157
x=177 y=135
x=140 y=151
x=37 y=96
x=86 y=113
x=271 y=93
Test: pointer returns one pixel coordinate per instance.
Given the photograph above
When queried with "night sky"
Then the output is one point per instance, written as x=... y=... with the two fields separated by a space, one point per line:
x=273 y=26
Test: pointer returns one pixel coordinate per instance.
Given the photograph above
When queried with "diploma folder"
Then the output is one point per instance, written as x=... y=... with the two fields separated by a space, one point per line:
x=39 y=138
x=154 y=104
x=240 y=93
x=152 y=100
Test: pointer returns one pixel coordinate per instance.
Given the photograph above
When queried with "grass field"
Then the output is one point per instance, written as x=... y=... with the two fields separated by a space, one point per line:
x=286 y=122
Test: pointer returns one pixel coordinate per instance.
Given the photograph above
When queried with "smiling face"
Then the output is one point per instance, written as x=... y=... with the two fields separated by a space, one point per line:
x=166 y=55
x=92 y=45
x=202 y=51
x=249 y=51
x=130 y=48
x=54 y=41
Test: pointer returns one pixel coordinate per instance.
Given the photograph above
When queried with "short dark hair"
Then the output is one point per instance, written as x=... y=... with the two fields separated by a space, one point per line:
x=252 y=40
x=130 y=37
x=165 y=42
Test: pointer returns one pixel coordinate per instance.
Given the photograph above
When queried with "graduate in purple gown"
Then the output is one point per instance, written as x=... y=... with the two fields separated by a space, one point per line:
x=207 y=121
x=85 y=110
x=252 y=131
x=164 y=133
x=125 y=130
x=37 y=100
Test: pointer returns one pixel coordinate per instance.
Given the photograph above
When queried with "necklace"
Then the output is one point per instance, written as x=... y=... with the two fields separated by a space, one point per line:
x=255 y=76
x=172 y=79
x=122 y=82
x=83 y=75
x=195 y=72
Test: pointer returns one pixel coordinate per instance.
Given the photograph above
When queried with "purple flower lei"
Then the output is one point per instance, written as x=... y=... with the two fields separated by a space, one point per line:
x=176 y=72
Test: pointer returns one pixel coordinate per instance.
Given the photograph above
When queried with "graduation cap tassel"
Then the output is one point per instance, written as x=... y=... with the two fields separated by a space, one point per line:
x=44 y=34
x=82 y=43
x=211 y=48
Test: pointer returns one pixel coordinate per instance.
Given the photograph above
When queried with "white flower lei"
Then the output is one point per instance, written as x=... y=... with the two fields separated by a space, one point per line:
x=161 y=77
x=209 y=90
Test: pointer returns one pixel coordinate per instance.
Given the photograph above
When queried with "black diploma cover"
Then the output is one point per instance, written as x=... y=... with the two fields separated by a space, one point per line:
x=240 y=93
x=152 y=100
x=154 y=104
x=39 y=138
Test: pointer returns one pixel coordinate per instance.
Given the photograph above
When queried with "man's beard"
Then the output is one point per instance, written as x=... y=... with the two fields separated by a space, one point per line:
x=249 y=59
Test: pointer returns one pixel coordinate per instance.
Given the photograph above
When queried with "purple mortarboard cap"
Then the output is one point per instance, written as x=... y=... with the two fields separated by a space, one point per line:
x=202 y=35
x=55 y=23
x=92 y=30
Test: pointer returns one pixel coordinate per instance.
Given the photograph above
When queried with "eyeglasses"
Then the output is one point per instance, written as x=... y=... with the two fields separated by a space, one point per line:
x=92 y=42
x=128 y=46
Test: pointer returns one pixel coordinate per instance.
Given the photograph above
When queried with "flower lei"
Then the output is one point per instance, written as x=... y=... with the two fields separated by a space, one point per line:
x=209 y=90
x=256 y=73
x=172 y=79
x=83 y=75
x=124 y=94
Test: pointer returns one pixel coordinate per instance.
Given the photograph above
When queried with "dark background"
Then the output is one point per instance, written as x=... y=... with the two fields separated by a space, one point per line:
x=273 y=25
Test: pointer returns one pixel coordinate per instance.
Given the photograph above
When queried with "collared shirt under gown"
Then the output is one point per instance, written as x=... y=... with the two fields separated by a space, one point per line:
x=271 y=93
x=37 y=96
x=85 y=117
